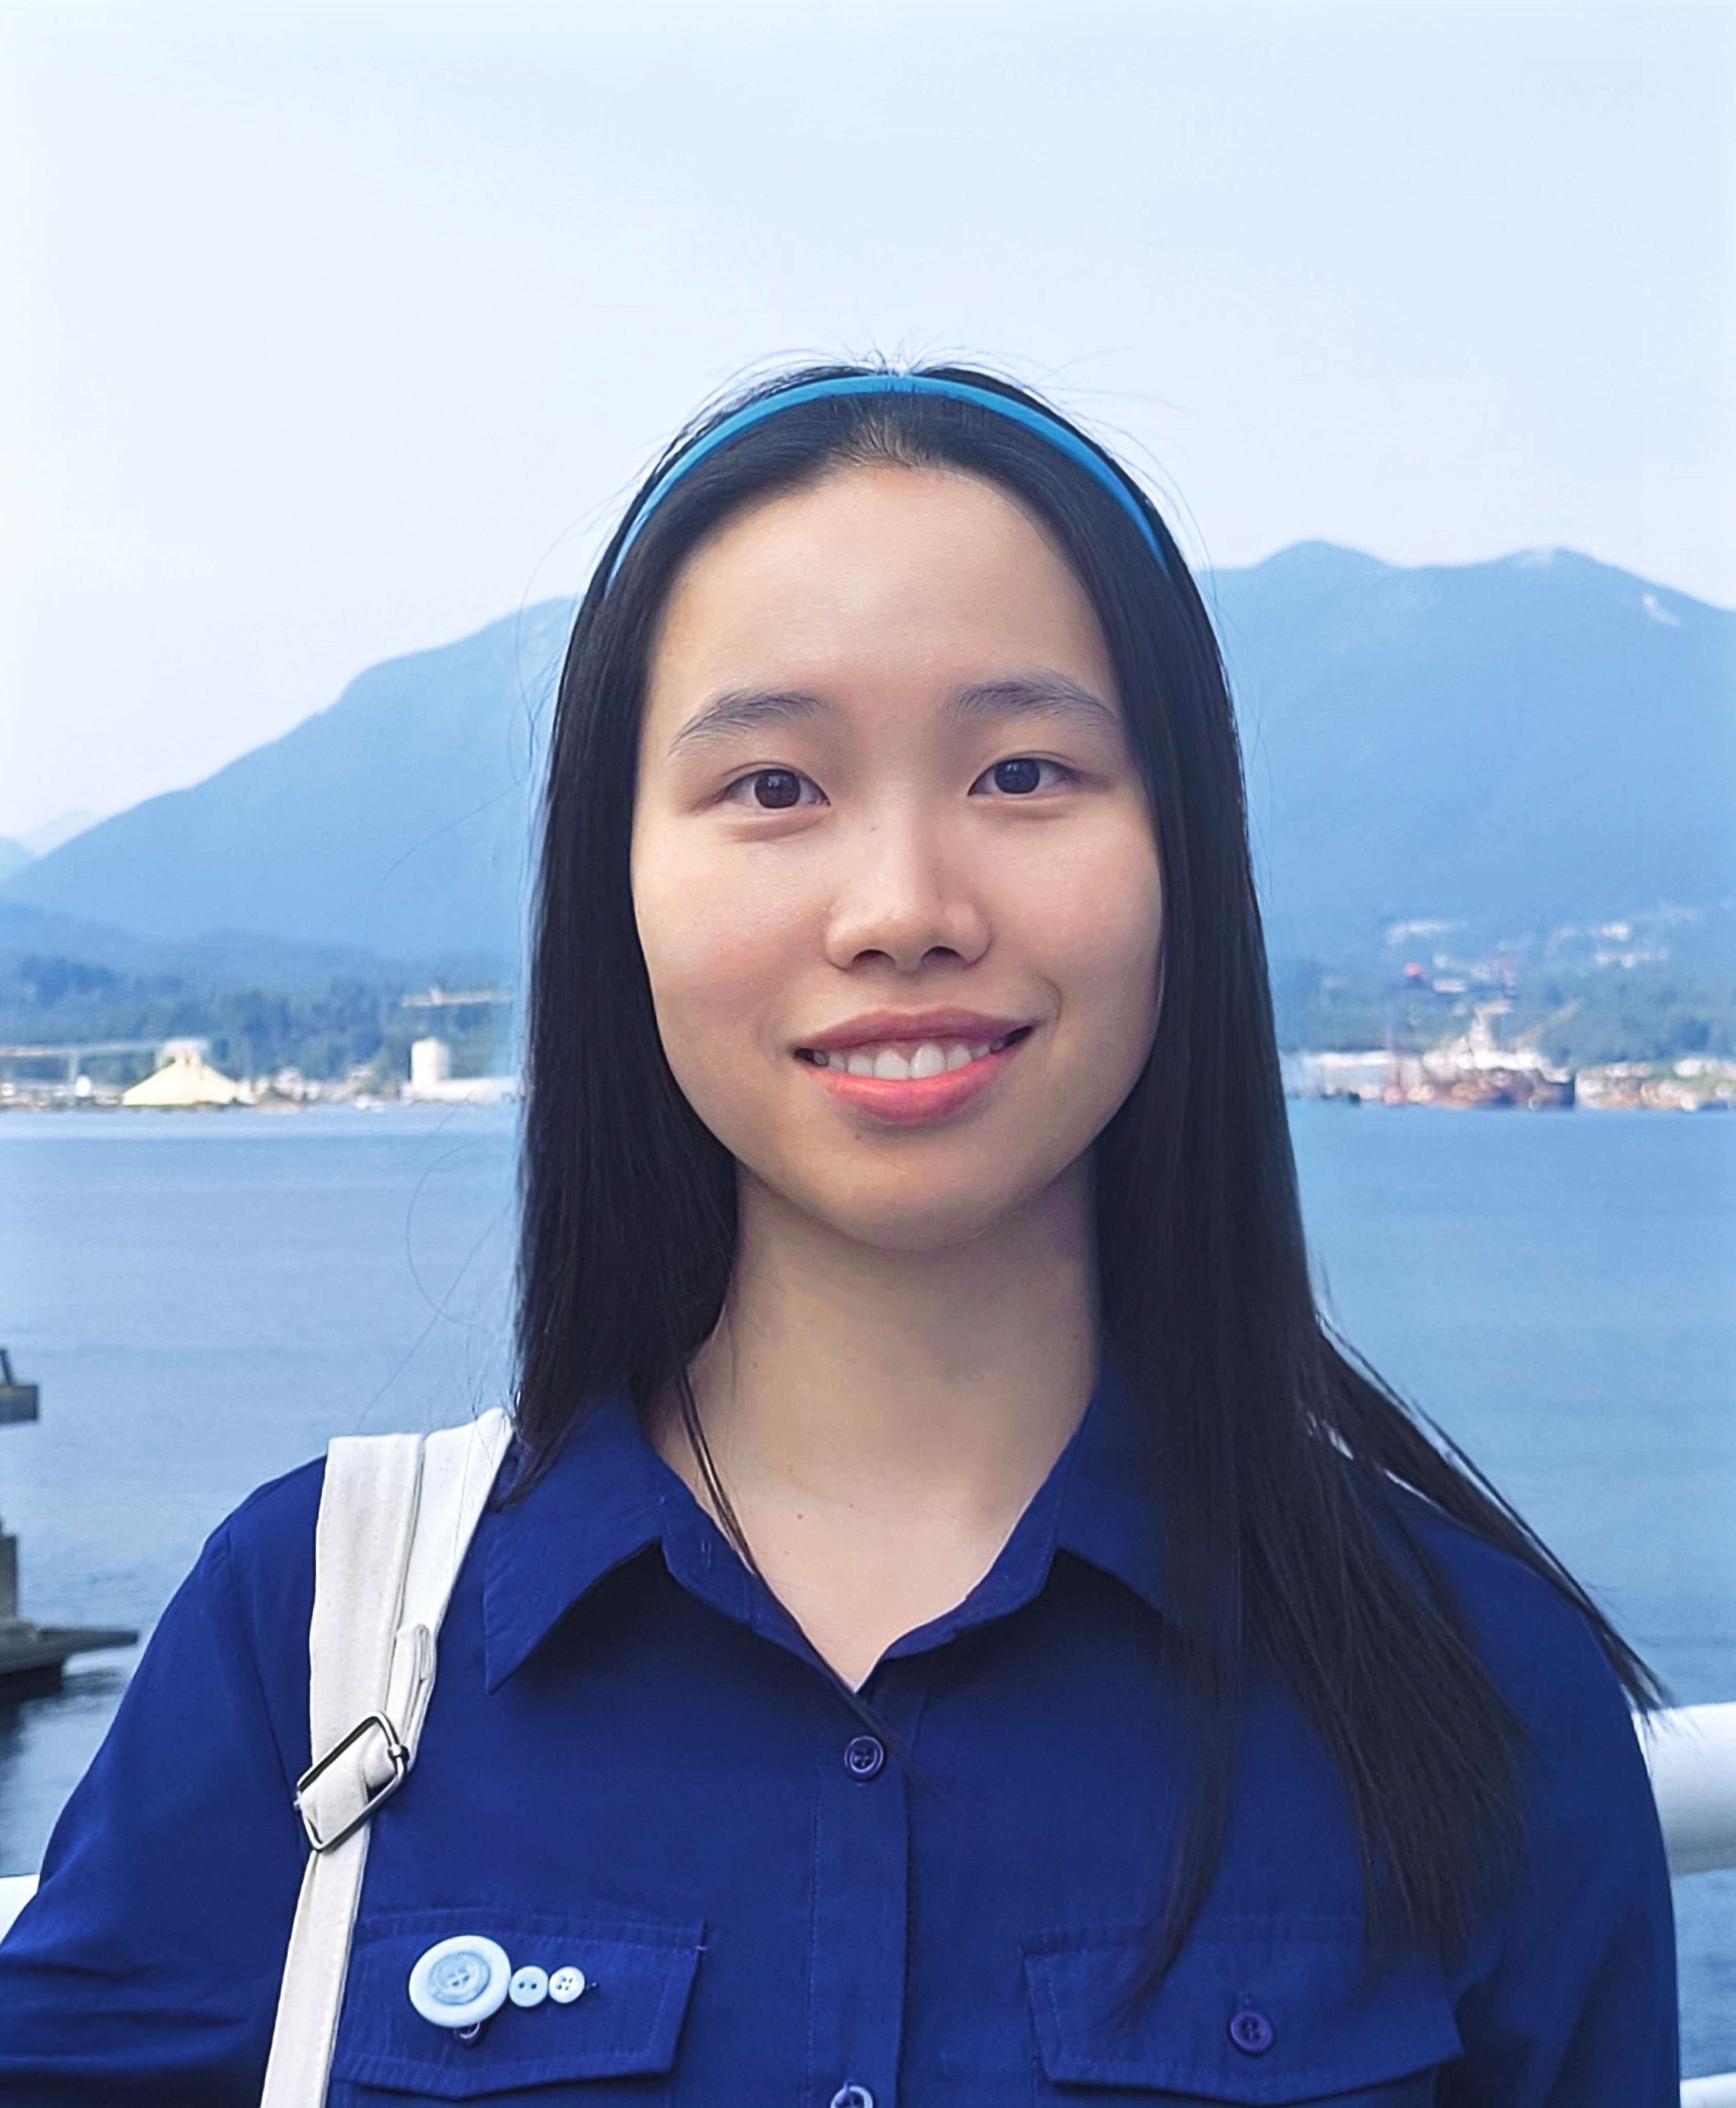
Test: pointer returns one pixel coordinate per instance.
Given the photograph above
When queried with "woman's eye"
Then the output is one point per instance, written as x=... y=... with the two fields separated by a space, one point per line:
x=780 y=789
x=772 y=790
x=1021 y=775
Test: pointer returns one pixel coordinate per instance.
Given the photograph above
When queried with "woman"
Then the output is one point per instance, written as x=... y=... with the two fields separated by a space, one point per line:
x=954 y=1629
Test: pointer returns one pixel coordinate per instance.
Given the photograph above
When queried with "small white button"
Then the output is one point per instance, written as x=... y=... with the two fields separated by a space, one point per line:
x=460 y=1982
x=853 y=2097
x=530 y=1985
x=566 y=1985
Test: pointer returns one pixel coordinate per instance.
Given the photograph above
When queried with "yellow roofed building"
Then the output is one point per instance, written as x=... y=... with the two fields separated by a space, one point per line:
x=185 y=1079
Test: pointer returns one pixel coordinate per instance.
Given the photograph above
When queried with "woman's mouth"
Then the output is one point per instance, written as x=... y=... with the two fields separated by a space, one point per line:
x=899 y=1061
x=910 y=1080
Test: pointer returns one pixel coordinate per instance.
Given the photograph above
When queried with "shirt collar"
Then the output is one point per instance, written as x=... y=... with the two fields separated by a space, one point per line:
x=603 y=1500
x=1109 y=1510
x=608 y=1497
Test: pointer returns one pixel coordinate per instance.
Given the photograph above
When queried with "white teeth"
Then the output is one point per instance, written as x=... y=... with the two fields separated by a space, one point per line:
x=900 y=1064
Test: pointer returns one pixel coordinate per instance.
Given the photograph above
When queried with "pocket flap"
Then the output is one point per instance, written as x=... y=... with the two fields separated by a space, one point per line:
x=1254 y=2010
x=638 y=1974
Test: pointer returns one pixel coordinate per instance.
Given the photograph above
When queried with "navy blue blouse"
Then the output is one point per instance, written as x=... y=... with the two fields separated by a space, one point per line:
x=636 y=1767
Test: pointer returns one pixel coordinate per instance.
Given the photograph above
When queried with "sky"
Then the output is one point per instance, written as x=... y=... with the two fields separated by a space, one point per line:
x=332 y=333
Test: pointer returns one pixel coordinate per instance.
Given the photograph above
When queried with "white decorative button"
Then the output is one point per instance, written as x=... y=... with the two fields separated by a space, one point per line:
x=853 y=2097
x=566 y=1985
x=460 y=1982
x=530 y=1985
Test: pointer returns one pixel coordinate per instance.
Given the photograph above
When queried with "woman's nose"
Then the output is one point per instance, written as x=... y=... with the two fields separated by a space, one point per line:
x=902 y=898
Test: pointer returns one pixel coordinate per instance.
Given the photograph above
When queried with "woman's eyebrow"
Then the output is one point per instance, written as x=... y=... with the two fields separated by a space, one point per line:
x=746 y=709
x=1034 y=694
x=1009 y=695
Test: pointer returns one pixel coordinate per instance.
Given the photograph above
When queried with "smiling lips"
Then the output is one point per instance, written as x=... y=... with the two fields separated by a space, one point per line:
x=916 y=1068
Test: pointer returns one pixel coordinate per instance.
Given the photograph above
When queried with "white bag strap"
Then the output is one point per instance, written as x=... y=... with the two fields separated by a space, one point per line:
x=396 y=1517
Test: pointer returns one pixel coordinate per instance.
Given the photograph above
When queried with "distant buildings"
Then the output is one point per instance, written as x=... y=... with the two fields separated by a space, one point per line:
x=1475 y=1069
x=185 y=1079
x=431 y=1064
x=432 y=1082
x=1697 y=1083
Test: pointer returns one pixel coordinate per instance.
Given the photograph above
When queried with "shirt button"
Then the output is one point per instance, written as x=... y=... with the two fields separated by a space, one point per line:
x=459 y=1982
x=1252 y=2031
x=566 y=1985
x=863 y=1756
x=530 y=1985
x=854 y=2096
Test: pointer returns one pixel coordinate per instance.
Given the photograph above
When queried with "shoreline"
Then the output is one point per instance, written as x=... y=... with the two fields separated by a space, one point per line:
x=1663 y=1099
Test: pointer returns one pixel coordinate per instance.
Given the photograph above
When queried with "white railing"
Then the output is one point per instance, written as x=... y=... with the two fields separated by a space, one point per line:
x=15 y=1891
x=1691 y=1754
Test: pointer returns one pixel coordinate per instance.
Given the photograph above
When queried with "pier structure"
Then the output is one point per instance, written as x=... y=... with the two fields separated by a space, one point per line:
x=71 y=1059
x=32 y=1656
x=442 y=998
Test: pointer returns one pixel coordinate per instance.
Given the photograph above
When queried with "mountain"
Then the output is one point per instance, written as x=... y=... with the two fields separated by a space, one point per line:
x=16 y=851
x=397 y=820
x=38 y=841
x=215 y=959
x=1538 y=740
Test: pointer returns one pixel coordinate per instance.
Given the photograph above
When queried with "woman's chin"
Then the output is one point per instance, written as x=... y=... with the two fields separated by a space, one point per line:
x=900 y=1217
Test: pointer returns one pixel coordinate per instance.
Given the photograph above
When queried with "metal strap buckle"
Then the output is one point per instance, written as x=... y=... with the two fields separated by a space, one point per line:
x=400 y=1756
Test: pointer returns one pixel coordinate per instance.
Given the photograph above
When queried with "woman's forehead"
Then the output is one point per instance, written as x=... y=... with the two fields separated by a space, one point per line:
x=914 y=575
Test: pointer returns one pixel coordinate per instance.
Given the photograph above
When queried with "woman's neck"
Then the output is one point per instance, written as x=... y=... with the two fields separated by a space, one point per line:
x=879 y=1418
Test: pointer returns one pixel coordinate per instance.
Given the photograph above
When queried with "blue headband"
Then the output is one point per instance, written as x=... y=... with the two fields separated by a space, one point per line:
x=1058 y=436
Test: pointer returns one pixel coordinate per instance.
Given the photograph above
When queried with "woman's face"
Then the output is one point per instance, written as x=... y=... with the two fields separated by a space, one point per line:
x=893 y=867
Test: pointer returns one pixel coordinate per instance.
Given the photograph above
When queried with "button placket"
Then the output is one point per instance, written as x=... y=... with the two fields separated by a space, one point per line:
x=858 y=1956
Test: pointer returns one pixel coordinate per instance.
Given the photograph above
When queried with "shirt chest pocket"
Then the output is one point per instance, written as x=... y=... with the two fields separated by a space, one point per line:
x=1267 y=2012
x=592 y=2014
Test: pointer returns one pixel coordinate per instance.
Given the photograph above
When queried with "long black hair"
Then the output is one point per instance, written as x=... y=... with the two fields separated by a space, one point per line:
x=1293 y=1548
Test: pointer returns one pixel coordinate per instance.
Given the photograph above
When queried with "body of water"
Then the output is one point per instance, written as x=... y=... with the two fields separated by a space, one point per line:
x=207 y=1300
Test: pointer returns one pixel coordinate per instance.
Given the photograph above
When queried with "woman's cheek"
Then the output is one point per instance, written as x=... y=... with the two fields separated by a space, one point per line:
x=1091 y=914
x=718 y=956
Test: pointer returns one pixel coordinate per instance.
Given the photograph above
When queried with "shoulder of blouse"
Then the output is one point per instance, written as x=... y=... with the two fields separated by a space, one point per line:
x=264 y=1547
x=1536 y=1643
